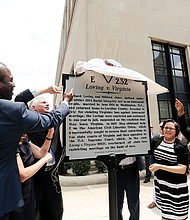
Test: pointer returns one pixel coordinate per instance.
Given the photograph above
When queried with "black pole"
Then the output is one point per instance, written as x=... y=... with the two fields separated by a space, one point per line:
x=112 y=184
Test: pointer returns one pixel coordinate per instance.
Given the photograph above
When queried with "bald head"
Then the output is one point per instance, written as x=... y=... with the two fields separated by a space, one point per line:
x=6 y=82
x=3 y=69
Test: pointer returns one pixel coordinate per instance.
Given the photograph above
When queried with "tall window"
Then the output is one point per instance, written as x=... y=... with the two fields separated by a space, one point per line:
x=171 y=72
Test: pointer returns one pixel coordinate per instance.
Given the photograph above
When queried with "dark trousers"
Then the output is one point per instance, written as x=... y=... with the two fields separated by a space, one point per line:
x=49 y=201
x=128 y=182
x=148 y=162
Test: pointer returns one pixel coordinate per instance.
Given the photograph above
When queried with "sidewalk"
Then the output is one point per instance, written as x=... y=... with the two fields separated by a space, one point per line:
x=87 y=198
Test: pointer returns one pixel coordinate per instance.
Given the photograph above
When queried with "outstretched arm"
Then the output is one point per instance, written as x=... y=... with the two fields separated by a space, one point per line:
x=41 y=152
x=27 y=95
x=30 y=121
x=51 y=90
x=27 y=172
x=179 y=169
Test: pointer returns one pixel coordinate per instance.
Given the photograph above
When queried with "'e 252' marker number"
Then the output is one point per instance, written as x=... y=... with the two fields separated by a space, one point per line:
x=121 y=81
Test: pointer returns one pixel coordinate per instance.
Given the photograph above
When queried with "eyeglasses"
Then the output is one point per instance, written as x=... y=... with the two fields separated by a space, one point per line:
x=169 y=128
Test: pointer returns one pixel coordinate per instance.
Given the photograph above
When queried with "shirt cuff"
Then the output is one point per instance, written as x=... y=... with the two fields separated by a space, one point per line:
x=35 y=93
x=65 y=102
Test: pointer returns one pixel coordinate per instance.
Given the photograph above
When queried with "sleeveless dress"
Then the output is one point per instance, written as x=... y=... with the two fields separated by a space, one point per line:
x=172 y=196
x=28 y=211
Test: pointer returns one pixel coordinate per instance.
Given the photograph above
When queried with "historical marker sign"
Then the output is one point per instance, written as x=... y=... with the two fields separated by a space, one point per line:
x=108 y=115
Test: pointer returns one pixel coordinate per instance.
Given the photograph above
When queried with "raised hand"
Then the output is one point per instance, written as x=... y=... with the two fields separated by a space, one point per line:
x=180 y=108
x=53 y=89
x=68 y=96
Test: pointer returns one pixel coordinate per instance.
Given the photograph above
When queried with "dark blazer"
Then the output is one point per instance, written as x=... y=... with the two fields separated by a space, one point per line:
x=16 y=119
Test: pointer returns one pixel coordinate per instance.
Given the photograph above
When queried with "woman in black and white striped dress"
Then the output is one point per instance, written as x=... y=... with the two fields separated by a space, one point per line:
x=170 y=173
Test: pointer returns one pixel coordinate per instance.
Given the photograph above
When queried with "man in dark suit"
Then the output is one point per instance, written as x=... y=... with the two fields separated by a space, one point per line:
x=128 y=181
x=47 y=189
x=16 y=119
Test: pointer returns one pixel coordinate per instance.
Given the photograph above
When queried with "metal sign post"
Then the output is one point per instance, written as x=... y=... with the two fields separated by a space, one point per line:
x=112 y=184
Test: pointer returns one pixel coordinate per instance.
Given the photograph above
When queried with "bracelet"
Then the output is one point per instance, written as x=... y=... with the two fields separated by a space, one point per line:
x=49 y=139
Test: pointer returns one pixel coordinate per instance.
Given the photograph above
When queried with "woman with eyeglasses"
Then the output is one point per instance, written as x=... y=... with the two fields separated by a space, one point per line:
x=170 y=173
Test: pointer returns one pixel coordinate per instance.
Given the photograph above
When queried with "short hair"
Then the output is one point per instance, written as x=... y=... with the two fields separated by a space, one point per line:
x=35 y=101
x=177 y=127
